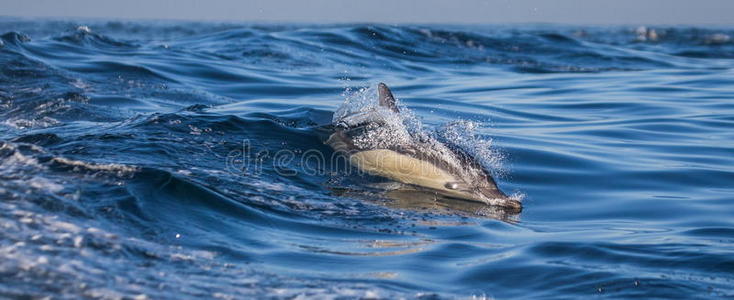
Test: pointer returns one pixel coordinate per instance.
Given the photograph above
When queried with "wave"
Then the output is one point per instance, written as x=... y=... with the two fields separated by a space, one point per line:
x=146 y=154
x=379 y=45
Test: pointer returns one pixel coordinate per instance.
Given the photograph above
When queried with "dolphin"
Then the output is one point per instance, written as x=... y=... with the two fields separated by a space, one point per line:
x=376 y=142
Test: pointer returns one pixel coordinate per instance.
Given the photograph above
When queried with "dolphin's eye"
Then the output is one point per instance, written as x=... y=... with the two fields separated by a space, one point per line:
x=451 y=185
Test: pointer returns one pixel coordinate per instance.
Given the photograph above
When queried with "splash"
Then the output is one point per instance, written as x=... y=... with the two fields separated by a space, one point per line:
x=463 y=134
x=357 y=101
x=389 y=128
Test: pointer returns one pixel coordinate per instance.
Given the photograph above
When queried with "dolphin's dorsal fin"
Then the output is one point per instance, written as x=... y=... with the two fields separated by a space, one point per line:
x=386 y=98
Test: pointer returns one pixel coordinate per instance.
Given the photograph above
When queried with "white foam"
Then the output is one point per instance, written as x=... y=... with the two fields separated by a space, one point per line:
x=718 y=38
x=84 y=29
x=20 y=123
x=110 y=167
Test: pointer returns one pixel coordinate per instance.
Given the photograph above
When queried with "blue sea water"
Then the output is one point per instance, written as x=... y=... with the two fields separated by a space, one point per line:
x=139 y=160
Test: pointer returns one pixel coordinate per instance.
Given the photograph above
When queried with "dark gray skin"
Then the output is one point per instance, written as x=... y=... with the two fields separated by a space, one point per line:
x=469 y=180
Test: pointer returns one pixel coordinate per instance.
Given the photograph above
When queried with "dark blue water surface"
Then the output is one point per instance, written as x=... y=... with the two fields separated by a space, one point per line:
x=126 y=154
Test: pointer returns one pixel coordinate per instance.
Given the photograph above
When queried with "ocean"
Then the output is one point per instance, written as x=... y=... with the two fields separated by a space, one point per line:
x=182 y=160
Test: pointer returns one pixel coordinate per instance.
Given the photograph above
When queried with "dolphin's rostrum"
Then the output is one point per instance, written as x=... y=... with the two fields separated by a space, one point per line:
x=377 y=144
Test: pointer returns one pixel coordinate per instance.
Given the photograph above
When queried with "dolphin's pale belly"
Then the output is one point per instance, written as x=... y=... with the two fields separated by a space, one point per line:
x=407 y=169
x=402 y=168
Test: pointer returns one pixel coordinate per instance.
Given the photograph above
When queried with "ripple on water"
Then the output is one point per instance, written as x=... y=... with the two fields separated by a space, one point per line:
x=143 y=153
